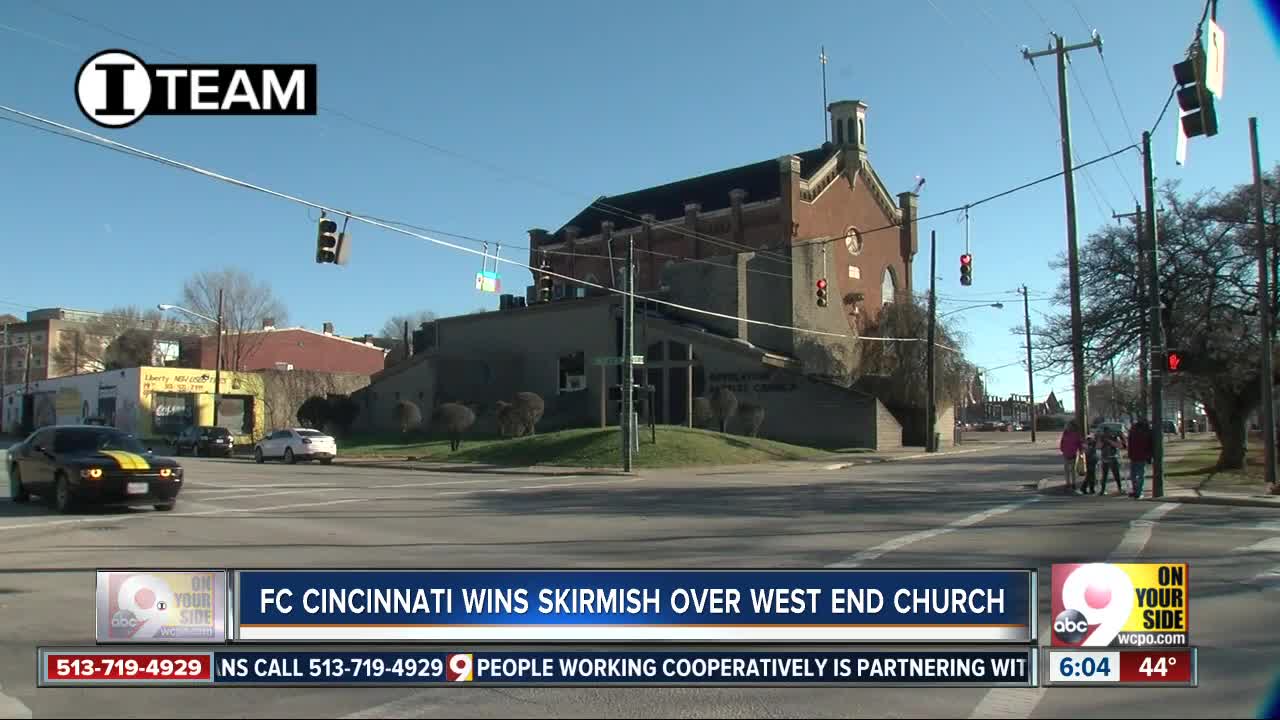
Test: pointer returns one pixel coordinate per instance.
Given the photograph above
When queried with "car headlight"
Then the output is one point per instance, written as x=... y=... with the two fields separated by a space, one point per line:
x=91 y=473
x=166 y=472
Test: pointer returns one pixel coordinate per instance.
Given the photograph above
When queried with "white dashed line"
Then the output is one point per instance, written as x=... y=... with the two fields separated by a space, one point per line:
x=900 y=542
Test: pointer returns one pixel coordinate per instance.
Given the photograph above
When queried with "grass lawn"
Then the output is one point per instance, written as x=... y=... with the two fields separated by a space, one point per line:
x=1195 y=469
x=593 y=447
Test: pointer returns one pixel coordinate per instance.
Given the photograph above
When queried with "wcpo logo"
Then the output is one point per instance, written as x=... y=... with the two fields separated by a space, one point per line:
x=1106 y=604
x=115 y=89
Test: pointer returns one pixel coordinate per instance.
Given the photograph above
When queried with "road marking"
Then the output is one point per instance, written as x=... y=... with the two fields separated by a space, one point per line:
x=1021 y=702
x=1139 y=533
x=539 y=487
x=12 y=707
x=900 y=542
x=1270 y=545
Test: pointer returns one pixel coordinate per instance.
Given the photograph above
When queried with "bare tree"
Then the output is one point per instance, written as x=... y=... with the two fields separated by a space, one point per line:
x=895 y=370
x=393 y=328
x=247 y=304
x=121 y=338
x=1208 y=278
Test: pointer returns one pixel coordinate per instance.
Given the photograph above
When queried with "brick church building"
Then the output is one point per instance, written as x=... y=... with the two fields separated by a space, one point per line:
x=748 y=245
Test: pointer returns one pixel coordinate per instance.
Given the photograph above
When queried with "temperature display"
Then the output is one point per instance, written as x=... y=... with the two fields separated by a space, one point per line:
x=1175 y=667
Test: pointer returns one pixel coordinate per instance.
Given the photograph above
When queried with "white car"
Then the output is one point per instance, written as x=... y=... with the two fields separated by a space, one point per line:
x=296 y=444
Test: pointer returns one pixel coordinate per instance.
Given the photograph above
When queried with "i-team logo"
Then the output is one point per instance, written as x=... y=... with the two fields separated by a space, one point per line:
x=116 y=88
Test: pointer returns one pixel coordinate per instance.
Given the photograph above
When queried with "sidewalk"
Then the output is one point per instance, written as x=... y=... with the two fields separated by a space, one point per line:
x=1186 y=489
x=853 y=460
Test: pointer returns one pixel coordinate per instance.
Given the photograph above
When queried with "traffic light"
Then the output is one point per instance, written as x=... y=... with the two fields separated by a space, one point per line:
x=544 y=288
x=966 y=269
x=327 y=242
x=1175 y=362
x=1194 y=97
x=822 y=292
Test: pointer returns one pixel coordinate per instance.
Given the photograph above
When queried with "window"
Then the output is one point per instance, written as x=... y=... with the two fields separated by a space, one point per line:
x=667 y=269
x=888 y=286
x=853 y=139
x=172 y=412
x=573 y=372
x=853 y=240
x=236 y=413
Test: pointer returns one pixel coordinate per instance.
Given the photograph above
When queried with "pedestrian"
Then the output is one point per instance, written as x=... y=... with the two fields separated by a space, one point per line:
x=1071 y=445
x=1110 y=444
x=1091 y=467
x=1140 y=452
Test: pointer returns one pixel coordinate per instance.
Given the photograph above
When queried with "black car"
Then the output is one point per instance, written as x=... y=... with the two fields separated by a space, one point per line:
x=207 y=440
x=74 y=464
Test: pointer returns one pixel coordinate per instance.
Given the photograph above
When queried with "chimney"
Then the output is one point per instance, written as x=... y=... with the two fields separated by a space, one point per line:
x=269 y=323
x=368 y=339
x=328 y=328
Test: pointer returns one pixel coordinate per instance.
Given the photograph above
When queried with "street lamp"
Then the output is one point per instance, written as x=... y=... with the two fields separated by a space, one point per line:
x=997 y=306
x=217 y=362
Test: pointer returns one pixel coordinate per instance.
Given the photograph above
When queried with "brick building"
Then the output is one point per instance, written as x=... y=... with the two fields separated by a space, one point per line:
x=48 y=329
x=747 y=244
x=820 y=213
x=293 y=348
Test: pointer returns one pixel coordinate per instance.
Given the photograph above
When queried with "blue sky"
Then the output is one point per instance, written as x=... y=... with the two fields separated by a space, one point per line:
x=592 y=98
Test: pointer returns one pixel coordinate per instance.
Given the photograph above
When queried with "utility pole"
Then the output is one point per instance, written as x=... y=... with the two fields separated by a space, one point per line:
x=930 y=378
x=1061 y=49
x=1264 y=318
x=628 y=349
x=217 y=363
x=1157 y=329
x=1031 y=377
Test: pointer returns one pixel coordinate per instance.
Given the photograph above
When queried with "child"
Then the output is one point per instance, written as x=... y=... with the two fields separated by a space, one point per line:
x=1091 y=467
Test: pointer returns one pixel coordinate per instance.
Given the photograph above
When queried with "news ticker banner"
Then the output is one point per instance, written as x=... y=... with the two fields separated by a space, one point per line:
x=295 y=667
x=566 y=606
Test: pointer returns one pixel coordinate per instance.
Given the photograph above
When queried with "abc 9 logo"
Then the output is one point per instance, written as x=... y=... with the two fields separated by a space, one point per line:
x=460 y=666
x=1096 y=595
x=140 y=599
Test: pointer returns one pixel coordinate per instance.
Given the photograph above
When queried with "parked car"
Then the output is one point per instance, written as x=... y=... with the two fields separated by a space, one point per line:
x=296 y=444
x=205 y=440
x=91 y=464
x=1170 y=428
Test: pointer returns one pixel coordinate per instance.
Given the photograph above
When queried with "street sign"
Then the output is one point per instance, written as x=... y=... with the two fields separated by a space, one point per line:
x=1215 y=60
x=611 y=361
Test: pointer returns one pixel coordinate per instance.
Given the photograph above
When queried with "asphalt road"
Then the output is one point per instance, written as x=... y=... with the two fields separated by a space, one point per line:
x=973 y=510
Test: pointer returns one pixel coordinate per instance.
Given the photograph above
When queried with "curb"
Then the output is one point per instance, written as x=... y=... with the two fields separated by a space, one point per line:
x=1050 y=483
x=492 y=470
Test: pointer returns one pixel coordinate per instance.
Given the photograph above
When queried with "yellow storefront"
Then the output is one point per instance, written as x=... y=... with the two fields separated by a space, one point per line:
x=172 y=399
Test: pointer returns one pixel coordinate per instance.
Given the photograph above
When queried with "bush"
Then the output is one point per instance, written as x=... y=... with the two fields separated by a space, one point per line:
x=753 y=417
x=314 y=412
x=529 y=407
x=510 y=419
x=407 y=415
x=703 y=413
x=456 y=419
x=725 y=404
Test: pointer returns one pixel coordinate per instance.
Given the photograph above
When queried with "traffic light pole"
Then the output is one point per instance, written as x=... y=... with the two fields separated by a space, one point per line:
x=1264 y=318
x=930 y=375
x=1073 y=256
x=1156 y=364
x=217 y=363
x=1031 y=377
x=628 y=349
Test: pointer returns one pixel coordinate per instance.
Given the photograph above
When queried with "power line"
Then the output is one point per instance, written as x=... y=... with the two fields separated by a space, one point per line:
x=1102 y=135
x=987 y=199
x=597 y=203
x=444 y=243
x=1053 y=112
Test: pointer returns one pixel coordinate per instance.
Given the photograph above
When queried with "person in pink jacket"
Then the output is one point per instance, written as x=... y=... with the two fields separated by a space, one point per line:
x=1071 y=444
